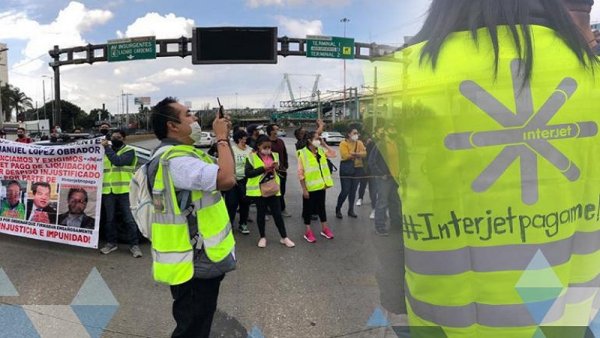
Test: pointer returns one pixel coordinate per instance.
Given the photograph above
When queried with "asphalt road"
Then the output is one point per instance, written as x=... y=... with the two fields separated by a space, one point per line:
x=350 y=286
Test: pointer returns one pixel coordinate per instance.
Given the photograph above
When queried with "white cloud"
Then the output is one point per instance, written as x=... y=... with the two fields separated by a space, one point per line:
x=264 y=3
x=163 y=27
x=64 y=31
x=140 y=88
x=300 y=27
x=169 y=75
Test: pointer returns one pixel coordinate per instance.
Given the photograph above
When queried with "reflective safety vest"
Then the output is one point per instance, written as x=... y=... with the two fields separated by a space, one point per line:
x=172 y=248
x=316 y=174
x=116 y=178
x=253 y=183
x=502 y=209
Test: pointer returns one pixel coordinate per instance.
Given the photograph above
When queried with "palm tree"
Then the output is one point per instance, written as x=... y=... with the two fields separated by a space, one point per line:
x=5 y=94
x=20 y=101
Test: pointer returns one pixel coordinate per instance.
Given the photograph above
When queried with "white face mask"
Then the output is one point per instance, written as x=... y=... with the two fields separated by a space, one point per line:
x=316 y=143
x=196 y=134
x=354 y=137
x=261 y=132
x=266 y=152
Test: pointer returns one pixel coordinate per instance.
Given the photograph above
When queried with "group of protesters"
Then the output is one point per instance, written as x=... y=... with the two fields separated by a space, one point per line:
x=260 y=157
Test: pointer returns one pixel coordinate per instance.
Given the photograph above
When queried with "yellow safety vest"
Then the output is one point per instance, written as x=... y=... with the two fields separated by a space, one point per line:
x=316 y=174
x=502 y=214
x=173 y=253
x=253 y=183
x=116 y=179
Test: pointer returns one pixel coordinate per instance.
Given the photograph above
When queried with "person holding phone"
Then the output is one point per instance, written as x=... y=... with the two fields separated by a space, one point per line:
x=262 y=165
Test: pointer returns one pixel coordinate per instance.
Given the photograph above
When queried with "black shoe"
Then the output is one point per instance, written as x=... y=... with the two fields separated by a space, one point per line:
x=338 y=214
x=352 y=214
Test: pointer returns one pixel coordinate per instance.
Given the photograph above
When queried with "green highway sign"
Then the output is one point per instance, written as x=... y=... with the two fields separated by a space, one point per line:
x=132 y=49
x=329 y=47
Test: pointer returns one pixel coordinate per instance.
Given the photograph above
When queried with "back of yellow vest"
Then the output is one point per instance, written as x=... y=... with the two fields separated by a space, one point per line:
x=502 y=207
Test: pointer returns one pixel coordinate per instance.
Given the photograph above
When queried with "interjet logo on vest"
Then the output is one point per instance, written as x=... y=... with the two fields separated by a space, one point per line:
x=525 y=136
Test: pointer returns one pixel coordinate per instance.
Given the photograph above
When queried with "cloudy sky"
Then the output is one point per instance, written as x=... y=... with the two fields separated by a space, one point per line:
x=31 y=28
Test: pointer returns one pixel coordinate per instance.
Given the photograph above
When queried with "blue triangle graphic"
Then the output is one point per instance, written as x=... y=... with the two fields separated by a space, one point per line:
x=94 y=291
x=539 y=334
x=15 y=323
x=378 y=319
x=255 y=333
x=538 y=262
x=95 y=318
x=7 y=289
x=538 y=310
x=595 y=325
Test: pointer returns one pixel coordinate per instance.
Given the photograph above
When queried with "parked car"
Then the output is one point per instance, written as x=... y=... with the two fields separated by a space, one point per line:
x=332 y=137
x=206 y=140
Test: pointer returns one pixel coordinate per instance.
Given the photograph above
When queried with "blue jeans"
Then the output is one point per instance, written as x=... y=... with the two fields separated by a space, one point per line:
x=388 y=198
x=121 y=201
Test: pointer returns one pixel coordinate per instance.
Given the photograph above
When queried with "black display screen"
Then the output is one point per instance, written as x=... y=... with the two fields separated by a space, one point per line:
x=214 y=45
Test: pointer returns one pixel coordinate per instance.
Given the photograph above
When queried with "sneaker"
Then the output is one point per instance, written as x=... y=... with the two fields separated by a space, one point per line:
x=284 y=213
x=287 y=242
x=338 y=214
x=262 y=242
x=381 y=232
x=135 y=251
x=359 y=202
x=327 y=233
x=309 y=236
x=244 y=229
x=352 y=214
x=372 y=215
x=108 y=248
x=250 y=220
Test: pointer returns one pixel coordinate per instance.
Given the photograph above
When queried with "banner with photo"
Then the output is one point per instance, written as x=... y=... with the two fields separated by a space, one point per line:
x=52 y=193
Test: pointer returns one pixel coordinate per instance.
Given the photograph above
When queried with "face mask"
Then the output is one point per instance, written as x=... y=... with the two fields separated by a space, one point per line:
x=261 y=132
x=196 y=134
x=266 y=152
x=103 y=131
x=316 y=143
x=20 y=135
x=116 y=143
x=354 y=137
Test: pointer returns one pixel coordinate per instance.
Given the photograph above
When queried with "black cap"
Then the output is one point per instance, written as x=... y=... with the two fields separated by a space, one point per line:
x=251 y=128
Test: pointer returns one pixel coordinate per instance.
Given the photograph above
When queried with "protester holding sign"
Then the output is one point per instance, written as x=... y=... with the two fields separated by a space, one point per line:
x=119 y=165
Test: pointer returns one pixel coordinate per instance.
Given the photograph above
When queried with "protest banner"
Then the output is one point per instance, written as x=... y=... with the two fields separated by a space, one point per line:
x=51 y=193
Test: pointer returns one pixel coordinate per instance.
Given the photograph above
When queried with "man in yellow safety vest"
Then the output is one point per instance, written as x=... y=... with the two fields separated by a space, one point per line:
x=192 y=241
x=119 y=165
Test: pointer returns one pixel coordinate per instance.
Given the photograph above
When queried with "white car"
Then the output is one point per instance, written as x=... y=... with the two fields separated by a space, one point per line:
x=332 y=137
x=206 y=140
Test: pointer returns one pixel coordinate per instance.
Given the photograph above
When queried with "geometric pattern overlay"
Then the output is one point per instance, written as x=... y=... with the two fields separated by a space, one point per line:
x=95 y=304
x=88 y=315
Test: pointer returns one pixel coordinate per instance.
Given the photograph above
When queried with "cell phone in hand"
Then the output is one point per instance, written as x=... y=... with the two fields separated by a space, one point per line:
x=221 y=113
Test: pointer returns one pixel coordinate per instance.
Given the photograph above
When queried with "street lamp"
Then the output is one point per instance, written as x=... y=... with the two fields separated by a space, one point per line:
x=1 y=111
x=51 y=96
x=344 y=21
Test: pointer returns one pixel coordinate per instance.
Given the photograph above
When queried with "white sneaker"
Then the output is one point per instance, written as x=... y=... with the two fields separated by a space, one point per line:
x=359 y=202
x=372 y=215
x=262 y=242
x=287 y=242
